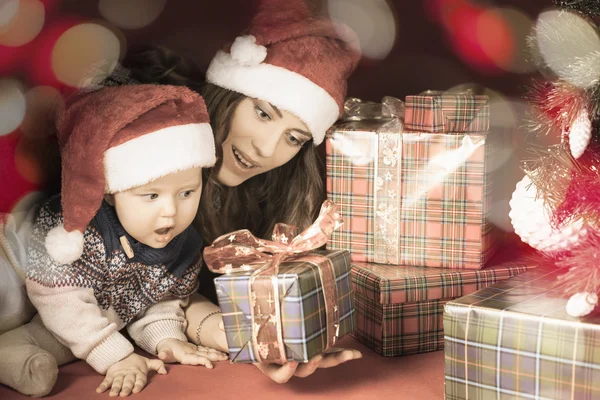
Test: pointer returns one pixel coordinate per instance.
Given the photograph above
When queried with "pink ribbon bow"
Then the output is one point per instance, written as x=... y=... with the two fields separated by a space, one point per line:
x=242 y=251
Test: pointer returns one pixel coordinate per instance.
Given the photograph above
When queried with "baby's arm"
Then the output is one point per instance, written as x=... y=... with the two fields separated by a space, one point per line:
x=72 y=314
x=160 y=330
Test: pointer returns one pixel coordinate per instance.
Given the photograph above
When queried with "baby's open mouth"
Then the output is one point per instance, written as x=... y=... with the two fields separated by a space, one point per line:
x=164 y=231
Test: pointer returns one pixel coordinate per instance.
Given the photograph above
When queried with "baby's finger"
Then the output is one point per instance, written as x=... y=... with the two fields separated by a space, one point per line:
x=140 y=382
x=128 y=383
x=158 y=366
x=196 y=359
x=116 y=386
x=105 y=384
x=339 y=357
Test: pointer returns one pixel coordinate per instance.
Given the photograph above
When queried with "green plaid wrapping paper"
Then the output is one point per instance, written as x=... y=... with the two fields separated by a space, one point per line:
x=515 y=340
x=399 y=310
x=444 y=112
x=427 y=195
x=302 y=307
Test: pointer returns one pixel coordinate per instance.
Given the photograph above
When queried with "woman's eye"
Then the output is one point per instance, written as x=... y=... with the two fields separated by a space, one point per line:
x=262 y=114
x=293 y=140
x=151 y=196
x=187 y=193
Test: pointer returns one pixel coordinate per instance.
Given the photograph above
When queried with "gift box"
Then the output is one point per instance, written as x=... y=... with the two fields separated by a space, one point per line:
x=283 y=300
x=515 y=340
x=413 y=197
x=303 y=314
x=399 y=310
x=447 y=112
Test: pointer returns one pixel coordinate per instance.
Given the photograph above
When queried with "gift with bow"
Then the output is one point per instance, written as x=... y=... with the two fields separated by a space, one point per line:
x=413 y=197
x=283 y=299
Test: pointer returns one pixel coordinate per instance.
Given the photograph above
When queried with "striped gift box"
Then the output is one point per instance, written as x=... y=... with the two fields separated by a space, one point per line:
x=445 y=112
x=302 y=303
x=399 y=310
x=514 y=340
x=413 y=198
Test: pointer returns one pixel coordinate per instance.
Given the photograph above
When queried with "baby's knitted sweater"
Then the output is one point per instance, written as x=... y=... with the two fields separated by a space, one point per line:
x=85 y=304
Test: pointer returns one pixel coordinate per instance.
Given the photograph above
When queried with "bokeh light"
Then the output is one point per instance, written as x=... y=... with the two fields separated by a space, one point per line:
x=10 y=176
x=12 y=105
x=29 y=157
x=42 y=103
x=565 y=41
x=373 y=21
x=503 y=35
x=39 y=68
x=8 y=10
x=25 y=25
x=85 y=52
x=131 y=14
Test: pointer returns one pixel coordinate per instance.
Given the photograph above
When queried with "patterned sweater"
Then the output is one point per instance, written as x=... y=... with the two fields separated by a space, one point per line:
x=85 y=304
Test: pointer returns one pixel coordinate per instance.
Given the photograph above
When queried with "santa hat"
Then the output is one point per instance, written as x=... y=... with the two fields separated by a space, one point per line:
x=119 y=138
x=292 y=59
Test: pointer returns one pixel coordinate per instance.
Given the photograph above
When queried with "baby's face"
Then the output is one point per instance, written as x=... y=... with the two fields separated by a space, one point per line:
x=158 y=211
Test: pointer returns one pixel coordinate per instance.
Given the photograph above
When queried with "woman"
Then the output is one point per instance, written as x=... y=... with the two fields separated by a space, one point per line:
x=271 y=97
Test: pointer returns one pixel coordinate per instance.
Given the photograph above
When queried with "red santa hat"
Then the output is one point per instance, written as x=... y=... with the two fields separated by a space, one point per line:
x=292 y=59
x=118 y=138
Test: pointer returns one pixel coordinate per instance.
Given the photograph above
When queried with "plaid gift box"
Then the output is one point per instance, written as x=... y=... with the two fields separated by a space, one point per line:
x=302 y=303
x=446 y=112
x=399 y=310
x=413 y=198
x=515 y=340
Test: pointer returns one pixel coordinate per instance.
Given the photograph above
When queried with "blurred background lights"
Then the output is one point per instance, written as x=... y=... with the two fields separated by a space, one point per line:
x=490 y=40
x=131 y=14
x=8 y=10
x=372 y=20
x=12 y=105
x=24 y=25
x=85 y=52
x=42 y=103
x=569 y=46
x=503 y=33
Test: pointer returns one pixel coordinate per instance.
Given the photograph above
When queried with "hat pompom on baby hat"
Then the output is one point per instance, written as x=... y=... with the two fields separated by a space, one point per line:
x=118 y=138
x=293 y=59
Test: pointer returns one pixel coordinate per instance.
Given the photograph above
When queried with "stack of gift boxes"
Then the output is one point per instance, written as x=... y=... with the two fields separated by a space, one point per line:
x=431 y=271
x=416 y=196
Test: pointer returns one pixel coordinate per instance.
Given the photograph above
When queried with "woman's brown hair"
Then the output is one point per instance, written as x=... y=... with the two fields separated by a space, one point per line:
x=291 y=193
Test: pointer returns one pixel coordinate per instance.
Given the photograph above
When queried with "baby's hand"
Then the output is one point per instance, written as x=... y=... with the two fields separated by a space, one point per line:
x=173 y=350
x=129 y=375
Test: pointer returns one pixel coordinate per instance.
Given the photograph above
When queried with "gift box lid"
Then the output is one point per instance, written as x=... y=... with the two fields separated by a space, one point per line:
x=533 y=293
x=393 y=284
x=447 y=112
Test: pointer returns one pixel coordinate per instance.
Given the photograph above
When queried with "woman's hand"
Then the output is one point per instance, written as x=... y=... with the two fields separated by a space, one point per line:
x=129 y=375
x=330 y=358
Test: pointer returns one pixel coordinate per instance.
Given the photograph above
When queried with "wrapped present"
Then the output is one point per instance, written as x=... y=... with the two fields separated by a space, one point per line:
x=441 y=112
x=412 y=198
x=399 y=310
x=283 y=300
x=515 y=340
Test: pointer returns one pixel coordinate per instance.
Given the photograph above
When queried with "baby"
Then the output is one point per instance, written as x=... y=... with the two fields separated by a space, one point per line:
x=116 y=249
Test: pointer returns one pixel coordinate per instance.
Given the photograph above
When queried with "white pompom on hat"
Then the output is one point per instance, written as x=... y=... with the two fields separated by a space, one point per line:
x=118 y=138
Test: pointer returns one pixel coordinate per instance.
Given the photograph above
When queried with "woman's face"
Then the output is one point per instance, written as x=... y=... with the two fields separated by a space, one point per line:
x=262 y=137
